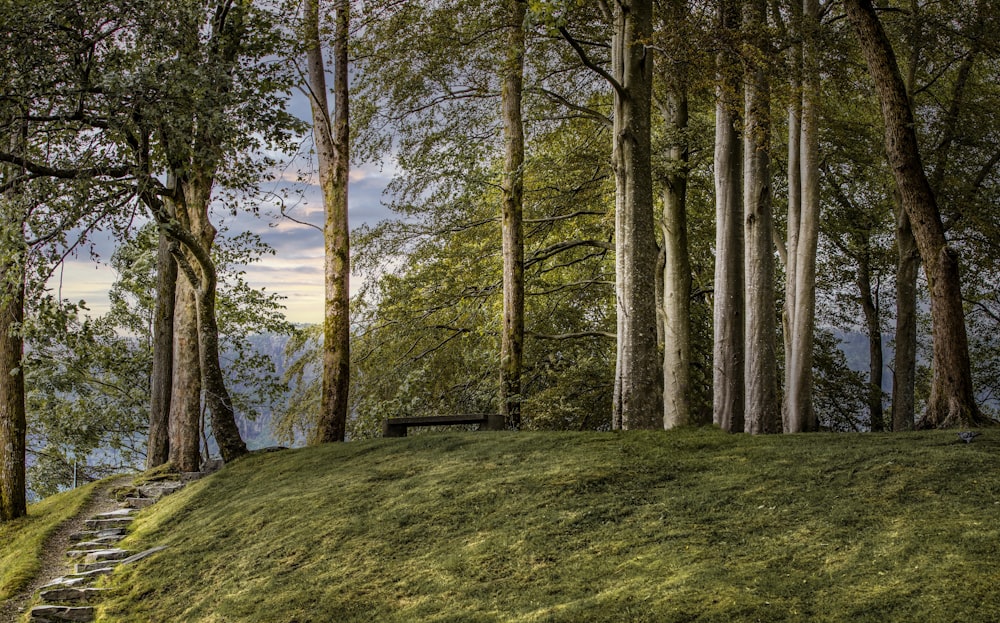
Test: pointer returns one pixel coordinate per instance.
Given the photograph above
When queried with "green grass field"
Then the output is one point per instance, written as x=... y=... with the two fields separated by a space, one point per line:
x=691 y=525
x=21 y=541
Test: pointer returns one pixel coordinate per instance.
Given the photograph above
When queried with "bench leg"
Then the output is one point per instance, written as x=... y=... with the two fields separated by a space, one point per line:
x=393 y=430
x=495 y=422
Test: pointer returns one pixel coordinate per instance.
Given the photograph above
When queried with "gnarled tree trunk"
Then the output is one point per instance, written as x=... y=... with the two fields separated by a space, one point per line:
x=952 y=401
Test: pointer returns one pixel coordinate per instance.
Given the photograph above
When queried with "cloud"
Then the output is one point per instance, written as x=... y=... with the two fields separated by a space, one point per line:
x=295 y=270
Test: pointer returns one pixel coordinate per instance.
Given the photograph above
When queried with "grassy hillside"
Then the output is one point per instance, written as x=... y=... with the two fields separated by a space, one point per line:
x=21 y=541
x=691 y=525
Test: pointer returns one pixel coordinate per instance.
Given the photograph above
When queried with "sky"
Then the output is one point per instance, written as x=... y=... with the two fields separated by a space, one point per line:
x=295 y=271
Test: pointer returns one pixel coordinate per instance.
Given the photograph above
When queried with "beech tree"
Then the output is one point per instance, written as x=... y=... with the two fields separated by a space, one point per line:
x=674 y=109
x=638 y=393
x=42 y=194
x=762 y=404
x=332 y=136
x=803 y=220
x=952 y=401
x=729 y=347
x=512 y=218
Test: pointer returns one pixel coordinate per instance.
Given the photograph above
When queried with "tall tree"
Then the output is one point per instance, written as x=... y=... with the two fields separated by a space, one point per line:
x=952 y=401
x=512 y=335
x=803 y=226
x=729 y=348
x=762 y=405
x=638 y=395
x=161 y=375
x=673 y=224
x=332 y=148
x=13 y=425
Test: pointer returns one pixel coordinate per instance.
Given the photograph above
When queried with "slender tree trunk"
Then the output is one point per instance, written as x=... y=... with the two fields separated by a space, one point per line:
x=763 y=412
x=638 y=393
x=196 y=333
x=217 y=398
x=13 y=424
x=512 y=336
x=158 y=447
x=185 y=386
x=673 y=226
x=787 y=250
x=871 y=311
x=904 y=364
x=332 y=149
x=800 y=415
x=13 y=421
x=952 y=401
x=728 y=312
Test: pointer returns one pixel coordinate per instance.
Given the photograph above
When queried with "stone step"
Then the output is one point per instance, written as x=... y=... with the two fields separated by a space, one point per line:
x=66 y=582
x=89 y=576
x=99 y=543
x=86 y=567
x=157 y=490
x=107 y=554
x=60 y=595
x=57 y=614
x=97 y=535
x=121 y=512
x=139 y=503
x=104 y=524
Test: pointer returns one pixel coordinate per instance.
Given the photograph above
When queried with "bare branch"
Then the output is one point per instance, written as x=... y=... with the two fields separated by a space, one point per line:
x=585 y=59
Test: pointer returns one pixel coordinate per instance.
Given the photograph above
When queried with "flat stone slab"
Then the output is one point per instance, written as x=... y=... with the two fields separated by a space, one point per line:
x=139 y=503
x=84 y=567
x=75 y=595
x=89 y=576
x=69 y=582
x=107 y=554
x=57 y=614
x=104 y=524
x=157 y=490
x=121 y=512
x=96 y=535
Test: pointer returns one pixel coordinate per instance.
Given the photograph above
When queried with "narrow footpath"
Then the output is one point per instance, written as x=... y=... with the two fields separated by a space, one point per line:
x=84 y=549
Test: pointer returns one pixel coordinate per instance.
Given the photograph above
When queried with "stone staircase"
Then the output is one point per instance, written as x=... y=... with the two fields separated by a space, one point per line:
x=93 y=554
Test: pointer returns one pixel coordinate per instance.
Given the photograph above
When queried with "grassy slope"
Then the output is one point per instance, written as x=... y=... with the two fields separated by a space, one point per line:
x=21 y=541
x=679 y=526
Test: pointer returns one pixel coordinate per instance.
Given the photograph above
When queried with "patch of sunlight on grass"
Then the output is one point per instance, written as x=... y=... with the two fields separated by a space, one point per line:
x=661 y=526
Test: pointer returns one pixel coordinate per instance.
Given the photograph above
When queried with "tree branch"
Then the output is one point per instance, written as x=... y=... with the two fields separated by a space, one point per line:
x=585 y=59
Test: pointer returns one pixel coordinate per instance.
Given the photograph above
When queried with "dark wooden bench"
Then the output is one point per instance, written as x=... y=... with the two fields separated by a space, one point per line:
x=396 y=427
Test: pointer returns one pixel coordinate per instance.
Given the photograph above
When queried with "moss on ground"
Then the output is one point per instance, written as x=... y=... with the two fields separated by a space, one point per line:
x=689 y=525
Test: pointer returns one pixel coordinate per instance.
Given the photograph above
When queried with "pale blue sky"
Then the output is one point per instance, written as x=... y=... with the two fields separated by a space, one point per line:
x=296 y=269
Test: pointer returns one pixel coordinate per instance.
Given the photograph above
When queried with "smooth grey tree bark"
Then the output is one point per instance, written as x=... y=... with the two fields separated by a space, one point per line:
x=803 y=234
x=673 y=227
x=728 y=396
x=763 y=413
